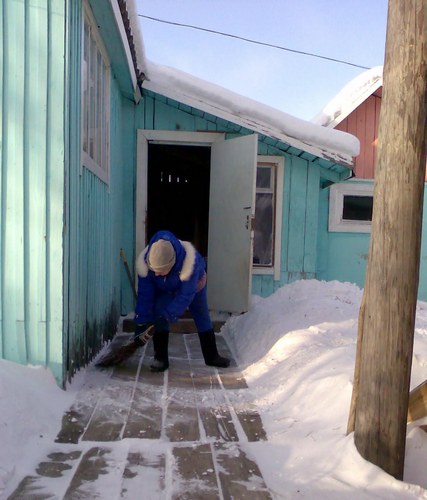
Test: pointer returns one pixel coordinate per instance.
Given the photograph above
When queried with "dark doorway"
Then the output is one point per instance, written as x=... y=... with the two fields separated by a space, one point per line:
x=178 y=192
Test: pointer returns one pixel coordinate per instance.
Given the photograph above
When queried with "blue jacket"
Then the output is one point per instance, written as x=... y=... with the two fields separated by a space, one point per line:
x=181 y=283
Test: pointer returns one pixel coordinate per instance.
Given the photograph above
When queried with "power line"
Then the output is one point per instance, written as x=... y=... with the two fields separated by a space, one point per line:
x=253 y=41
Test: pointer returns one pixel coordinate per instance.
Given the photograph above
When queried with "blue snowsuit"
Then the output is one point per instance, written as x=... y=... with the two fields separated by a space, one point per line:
x=164 y=299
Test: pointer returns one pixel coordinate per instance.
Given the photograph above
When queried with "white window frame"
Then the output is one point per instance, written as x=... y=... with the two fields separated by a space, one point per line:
x=278 y=162
x=336 y=204
x=100 y=168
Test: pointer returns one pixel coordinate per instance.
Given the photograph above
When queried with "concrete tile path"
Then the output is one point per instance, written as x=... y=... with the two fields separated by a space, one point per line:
x=188 y=433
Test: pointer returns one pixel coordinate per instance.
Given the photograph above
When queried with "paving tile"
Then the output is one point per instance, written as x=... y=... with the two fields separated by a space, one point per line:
x=75 y=420
x=35 y=487
x=239 y=476
x=181 y=422
x=145 y=416
x=194 y=473
x=110 y=414
x=251 y=422
x=30 y=489
x=97 y=471
x=143 y=476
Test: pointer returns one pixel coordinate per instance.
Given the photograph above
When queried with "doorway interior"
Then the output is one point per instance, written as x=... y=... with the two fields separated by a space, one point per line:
x=178 y=184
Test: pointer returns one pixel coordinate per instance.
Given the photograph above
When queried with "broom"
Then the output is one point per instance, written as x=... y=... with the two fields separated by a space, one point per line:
x=116 y=355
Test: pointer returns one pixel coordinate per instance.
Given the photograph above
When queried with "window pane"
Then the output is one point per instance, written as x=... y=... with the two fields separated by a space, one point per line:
x=263 y=234
x=357 y=207
x=263 y=177
x=95 y=99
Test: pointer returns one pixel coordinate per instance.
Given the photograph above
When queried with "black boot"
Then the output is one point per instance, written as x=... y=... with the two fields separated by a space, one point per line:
x=209 y=350
x=161 y=356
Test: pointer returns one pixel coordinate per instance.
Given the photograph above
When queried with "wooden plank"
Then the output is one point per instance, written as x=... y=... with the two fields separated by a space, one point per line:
x=312 y=220
x=417 y=407
x=239 y=476
x=12 y=226
x=55 y=189
x=35 y=188
x=297 y=215
x=194 y=473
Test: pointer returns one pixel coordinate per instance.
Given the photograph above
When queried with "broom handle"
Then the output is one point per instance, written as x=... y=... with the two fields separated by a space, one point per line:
x=131 y=281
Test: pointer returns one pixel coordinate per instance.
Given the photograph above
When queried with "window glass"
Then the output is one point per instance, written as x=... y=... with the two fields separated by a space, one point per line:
x=263 y=177
x=357 y=207
x=263 y=234
x=264 y=216
x=95 y=100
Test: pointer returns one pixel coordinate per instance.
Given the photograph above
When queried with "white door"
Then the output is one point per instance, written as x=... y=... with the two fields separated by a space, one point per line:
x=231 y=211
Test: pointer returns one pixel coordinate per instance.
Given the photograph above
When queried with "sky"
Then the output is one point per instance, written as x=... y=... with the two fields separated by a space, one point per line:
x=299 y=379
x=347 y=30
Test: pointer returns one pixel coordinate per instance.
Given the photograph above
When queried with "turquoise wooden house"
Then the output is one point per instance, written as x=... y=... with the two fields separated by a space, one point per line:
x=346 y=207
x=100 y=148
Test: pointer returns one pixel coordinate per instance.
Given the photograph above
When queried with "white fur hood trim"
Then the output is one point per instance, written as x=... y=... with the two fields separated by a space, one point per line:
x=187 y=266
x=189 y=261
x=141 y=266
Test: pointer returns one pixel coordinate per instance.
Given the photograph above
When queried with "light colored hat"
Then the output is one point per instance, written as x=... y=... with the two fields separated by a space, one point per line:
x=161 y=256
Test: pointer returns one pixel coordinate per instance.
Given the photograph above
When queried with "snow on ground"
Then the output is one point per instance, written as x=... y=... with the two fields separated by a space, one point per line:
x=297 y=351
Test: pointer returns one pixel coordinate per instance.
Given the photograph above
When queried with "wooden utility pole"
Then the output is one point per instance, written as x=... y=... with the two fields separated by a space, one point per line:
x=387 y=315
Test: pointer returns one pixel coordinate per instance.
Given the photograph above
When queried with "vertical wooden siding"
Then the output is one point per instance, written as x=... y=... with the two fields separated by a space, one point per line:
x=98 y=216
x=363 y=123
x=32 y=179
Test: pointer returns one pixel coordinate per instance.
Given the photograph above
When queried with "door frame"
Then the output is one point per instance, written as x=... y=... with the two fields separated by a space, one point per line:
x=145 y=136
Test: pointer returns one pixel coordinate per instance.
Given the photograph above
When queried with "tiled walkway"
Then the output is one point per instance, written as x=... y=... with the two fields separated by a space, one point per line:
x=182 y=434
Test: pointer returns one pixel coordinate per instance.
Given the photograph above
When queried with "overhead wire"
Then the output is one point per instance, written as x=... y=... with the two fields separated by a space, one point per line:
x=215 y=32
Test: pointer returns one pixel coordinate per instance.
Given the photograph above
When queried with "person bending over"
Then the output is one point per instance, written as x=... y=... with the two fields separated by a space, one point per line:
x=172 y=278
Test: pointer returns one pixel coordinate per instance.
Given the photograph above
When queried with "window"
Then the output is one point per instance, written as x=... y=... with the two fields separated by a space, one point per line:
x=350 y=207
x=95 y=99
x=268 y=209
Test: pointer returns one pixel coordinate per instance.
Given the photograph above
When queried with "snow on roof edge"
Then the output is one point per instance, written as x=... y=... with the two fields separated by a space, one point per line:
x=333 y=145
x=137 y=36
x=350 y=97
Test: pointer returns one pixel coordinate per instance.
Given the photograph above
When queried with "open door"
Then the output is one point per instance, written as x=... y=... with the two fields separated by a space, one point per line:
x=231 y=212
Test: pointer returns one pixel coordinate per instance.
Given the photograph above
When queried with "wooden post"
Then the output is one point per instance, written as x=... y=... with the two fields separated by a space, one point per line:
x=386 y=329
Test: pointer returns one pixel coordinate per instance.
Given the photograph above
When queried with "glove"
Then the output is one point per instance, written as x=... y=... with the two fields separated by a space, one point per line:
x=139 y=332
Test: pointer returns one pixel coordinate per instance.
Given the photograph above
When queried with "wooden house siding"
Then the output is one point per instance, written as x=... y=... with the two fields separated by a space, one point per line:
x=32 y=179
x=100 y=220
x=363 y=122
x=301 y=186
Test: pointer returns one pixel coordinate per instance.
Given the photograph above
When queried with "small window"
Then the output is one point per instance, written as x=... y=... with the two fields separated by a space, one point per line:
x=95 y=99
x=350 y=207
x=268 y=207
x=264 y=215
x=357 y=207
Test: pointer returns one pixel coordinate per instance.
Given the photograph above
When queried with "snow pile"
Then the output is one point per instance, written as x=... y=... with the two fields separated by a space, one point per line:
x=297 y=348
x=31 y=409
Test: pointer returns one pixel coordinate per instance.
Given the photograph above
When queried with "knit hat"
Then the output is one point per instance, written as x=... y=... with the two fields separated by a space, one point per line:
x=161 y=256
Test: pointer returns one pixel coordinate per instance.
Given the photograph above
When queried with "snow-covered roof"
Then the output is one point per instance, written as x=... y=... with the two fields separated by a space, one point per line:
x=350 y=97
x=332 y=145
